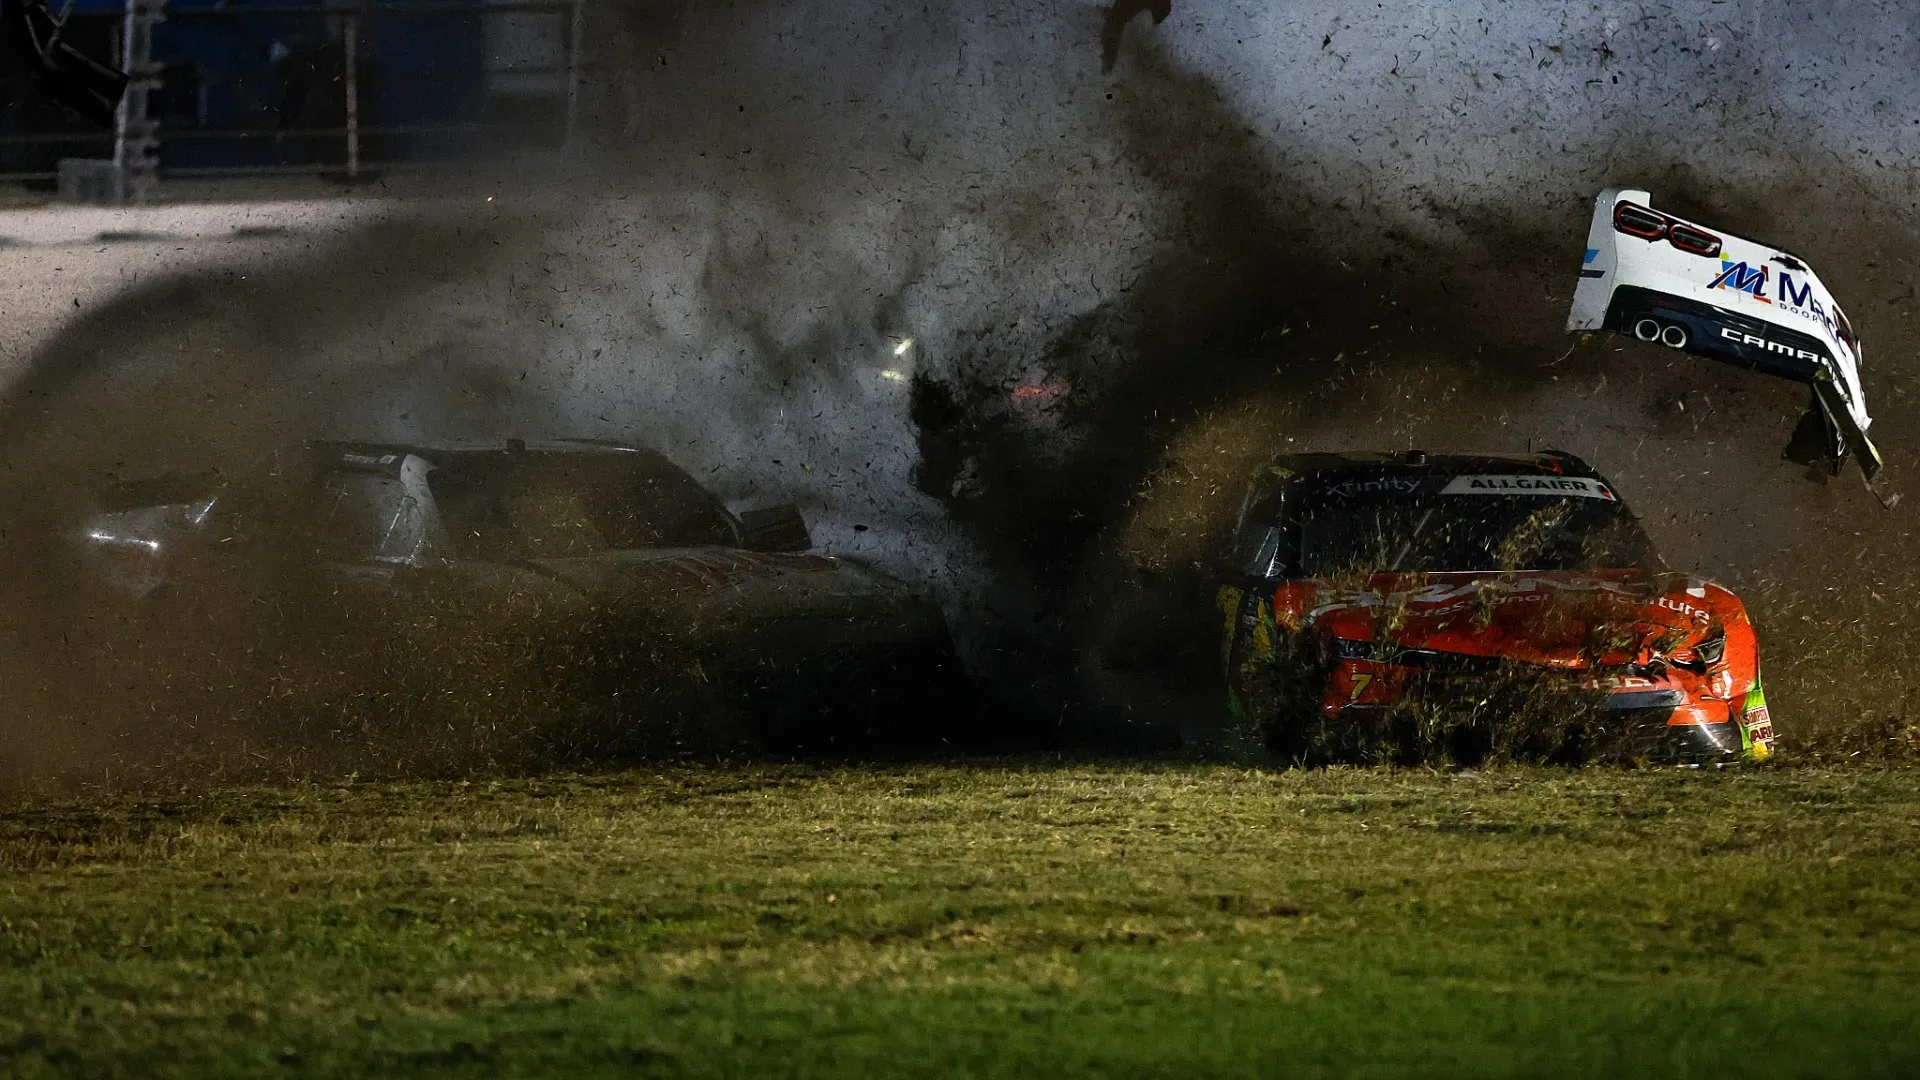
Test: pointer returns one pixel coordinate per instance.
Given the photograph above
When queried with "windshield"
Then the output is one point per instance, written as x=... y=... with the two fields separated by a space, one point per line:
x=370 y=516
x=1438 y=532
x=501 y=506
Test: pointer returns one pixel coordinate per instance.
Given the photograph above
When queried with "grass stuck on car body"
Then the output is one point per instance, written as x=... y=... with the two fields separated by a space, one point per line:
x=974 y=919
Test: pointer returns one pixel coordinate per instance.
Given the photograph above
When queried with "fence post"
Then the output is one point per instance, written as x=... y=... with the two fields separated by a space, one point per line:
x=576 y=33
x=136 y=163
x=120 y=117
x=353 y=98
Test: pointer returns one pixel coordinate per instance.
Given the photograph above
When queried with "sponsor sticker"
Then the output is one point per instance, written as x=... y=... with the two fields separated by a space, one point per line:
x=1739 y=277
x=1447 y=593
x=1228 y=601
x=1571 y=486
x=1673 y=603
x=1390 y=485
x=1797 y=297
x=369 y=459
x=1757 y=721
x=1759 y=735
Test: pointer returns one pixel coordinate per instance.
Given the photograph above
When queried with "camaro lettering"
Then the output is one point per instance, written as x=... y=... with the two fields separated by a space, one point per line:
x=1771 y=346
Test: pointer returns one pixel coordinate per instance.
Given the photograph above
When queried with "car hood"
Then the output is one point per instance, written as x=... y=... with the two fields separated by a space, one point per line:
x=1567 y=619
x=708 y=572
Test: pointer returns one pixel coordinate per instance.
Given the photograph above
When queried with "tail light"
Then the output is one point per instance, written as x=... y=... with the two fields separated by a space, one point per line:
x=1636 y=220
x=1693 y=241
x=1648 y=224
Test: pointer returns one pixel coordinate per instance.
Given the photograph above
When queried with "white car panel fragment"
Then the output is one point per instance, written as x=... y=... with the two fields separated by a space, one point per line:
x=1664 y=279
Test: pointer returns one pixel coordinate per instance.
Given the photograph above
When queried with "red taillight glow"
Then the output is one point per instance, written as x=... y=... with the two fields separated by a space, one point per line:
x=1636 y=220
x=1650 y=225
x=1693 y=241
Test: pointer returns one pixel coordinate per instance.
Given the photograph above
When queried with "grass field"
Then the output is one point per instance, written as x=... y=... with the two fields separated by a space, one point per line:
x=1151 y=919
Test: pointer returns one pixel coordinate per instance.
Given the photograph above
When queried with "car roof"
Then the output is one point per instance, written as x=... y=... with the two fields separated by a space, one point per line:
x=167 y=486
x=388 y=456
x=1329 y=464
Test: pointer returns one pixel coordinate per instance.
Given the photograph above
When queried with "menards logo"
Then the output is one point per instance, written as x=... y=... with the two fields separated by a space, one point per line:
x=1793 y=296
x=1739 y=277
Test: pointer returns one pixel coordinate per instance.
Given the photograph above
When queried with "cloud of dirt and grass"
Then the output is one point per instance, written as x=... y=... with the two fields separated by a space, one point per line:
x=1011 y=301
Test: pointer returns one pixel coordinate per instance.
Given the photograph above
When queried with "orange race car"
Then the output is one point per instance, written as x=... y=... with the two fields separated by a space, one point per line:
x=1377 y=600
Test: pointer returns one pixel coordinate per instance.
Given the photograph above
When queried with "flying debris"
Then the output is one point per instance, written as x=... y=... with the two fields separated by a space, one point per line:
x=1667 y=280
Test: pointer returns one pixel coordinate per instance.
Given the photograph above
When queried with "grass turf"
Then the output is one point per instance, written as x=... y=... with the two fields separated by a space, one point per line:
x=1071 y=919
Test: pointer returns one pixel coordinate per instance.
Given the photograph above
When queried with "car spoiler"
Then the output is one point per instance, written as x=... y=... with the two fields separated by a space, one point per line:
x=1673 y=282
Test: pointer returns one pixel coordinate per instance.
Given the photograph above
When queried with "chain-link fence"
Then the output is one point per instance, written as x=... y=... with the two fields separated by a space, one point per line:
x=231 y=88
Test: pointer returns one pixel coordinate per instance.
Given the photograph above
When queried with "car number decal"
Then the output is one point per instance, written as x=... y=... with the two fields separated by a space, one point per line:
x=1360 y=683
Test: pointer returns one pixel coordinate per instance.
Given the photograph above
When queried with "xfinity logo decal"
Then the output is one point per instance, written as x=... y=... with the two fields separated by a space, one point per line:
x=1527 y=485
x=1394 y=484
x=1771 y=346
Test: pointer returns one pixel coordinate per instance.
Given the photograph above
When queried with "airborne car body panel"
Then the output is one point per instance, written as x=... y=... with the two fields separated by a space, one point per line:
x=1403 y=578
x=1664 y=279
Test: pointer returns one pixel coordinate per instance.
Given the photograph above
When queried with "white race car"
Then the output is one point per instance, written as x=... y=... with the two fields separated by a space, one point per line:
x=1664 y=279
